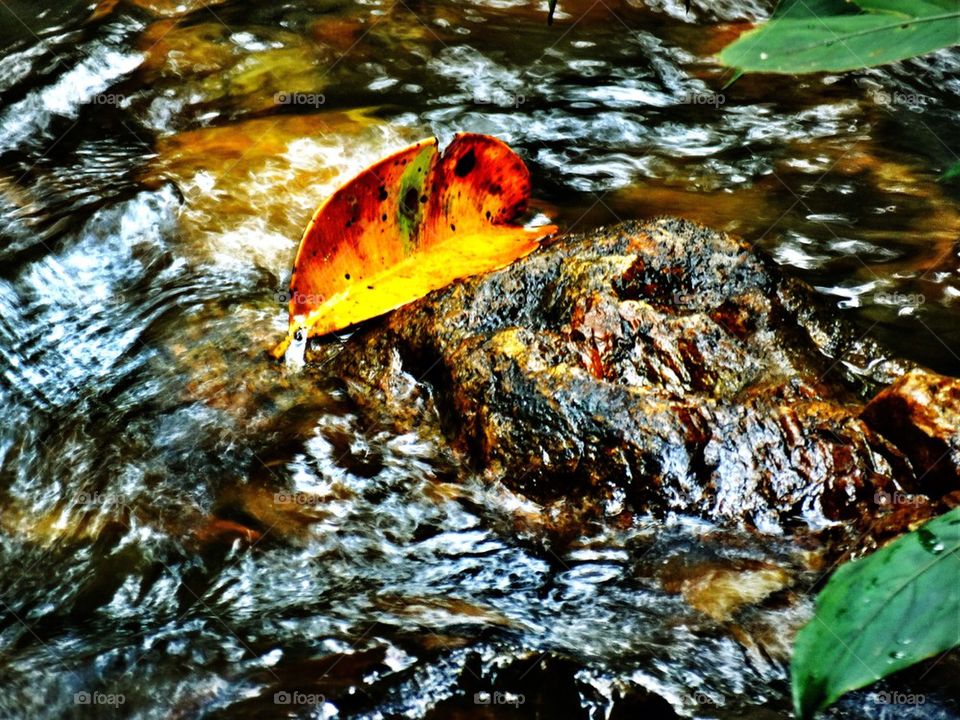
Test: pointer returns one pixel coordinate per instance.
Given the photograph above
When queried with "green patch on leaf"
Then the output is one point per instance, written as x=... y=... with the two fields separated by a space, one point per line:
x=952 y=173
x=412 y=189
x=881 y=614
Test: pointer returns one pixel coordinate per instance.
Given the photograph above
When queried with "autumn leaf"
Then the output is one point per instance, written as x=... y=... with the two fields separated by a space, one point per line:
x=411 y=223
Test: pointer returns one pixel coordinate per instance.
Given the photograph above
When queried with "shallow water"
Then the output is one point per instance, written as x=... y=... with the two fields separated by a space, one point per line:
x=188 y=528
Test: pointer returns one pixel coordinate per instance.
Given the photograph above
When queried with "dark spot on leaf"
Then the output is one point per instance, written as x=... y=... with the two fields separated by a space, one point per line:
x=465 y=164
x=488 y=214
x=453 y=227
x=346 y=276
x=496 y=189
x=410 y=201
x=383 y=193
x=423 y=199
x=369 y=287
x=384 y=217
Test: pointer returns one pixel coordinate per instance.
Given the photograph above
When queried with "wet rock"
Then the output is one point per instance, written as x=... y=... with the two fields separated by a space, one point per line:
x=719 y=590
x=921 y=414
x=657 y=366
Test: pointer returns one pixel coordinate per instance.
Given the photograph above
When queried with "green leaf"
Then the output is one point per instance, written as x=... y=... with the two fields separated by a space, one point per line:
x=830 y=35
x=881 y=614
x=951 y=173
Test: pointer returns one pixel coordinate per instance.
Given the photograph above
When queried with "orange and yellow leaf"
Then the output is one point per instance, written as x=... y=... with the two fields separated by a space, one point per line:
x=411 y=223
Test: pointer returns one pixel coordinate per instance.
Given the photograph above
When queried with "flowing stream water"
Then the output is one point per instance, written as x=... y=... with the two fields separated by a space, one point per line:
x=187 y=531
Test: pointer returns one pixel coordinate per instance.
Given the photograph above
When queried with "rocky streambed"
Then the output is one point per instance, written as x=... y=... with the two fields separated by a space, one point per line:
x=623 y=383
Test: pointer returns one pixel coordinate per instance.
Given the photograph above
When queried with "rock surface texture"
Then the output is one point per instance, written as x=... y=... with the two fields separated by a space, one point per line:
x=662 y=367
